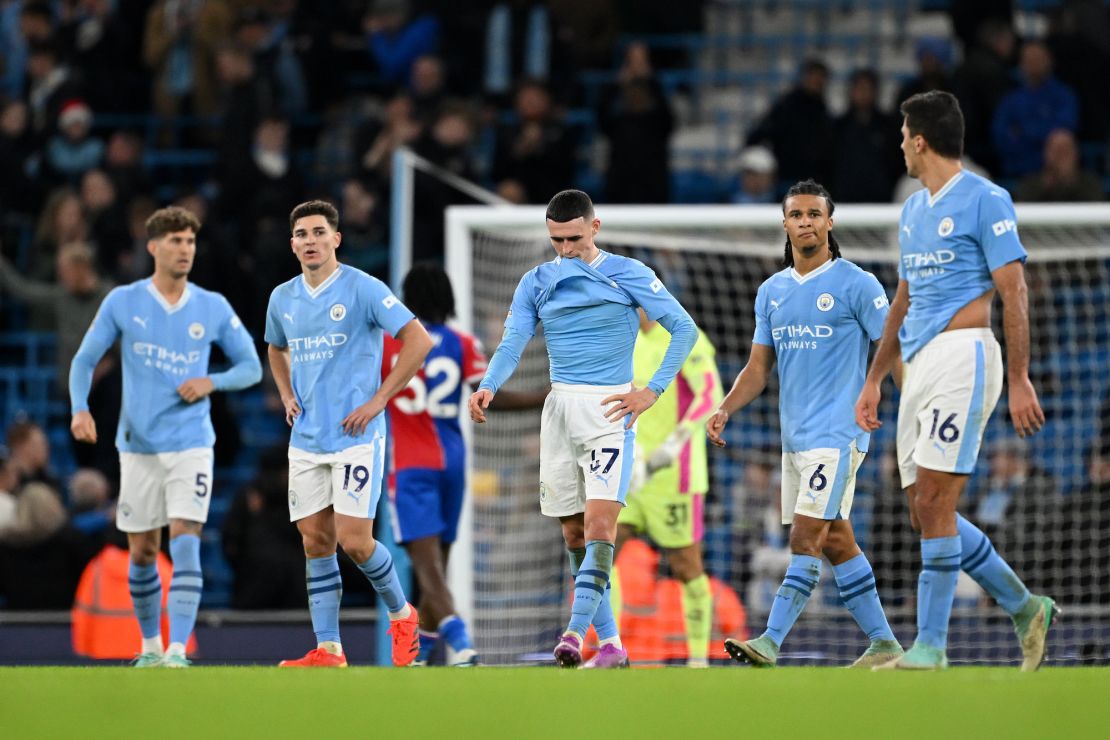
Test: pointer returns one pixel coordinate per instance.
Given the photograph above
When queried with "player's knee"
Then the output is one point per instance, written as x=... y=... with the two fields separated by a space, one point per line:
x=804 y=542
x=574 y=534
x=358 y=548
x=144 y=552
x=318 y=544
x=686 y=569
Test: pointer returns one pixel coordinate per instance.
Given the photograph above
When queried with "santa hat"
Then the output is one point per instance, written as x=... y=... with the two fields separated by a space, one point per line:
x=74 y=111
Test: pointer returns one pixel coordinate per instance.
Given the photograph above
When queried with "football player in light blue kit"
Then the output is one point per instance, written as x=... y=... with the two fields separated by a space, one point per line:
x=587 y=299
x=324 y=328
x=166 y=327
x=959 y=244
x=817 y=318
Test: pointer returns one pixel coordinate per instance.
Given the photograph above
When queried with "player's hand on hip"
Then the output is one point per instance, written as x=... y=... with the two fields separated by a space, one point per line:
x=867 y=407
x=630 y=404
x=1025 y=409
x=716 y=427
x=194 y=389
x=292 y=409
x=83 y=427
x=356 y=421
x=478 y=403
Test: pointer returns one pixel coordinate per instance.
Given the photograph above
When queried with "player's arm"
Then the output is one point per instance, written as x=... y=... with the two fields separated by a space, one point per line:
x=520 y=326
x=684 y=333
x=746 y=388
x=281 y=369
x=101 y=335
x=32 y=292
x=245 y=370
x=415 y=346
x=1025 y=409
x=885 y=361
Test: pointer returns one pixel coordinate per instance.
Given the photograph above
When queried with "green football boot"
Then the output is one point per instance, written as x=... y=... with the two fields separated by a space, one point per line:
x=1031 y=626
x=147 y=660
x=879 y=652
x=920 y=657
x=173 y=660
x=762 y=652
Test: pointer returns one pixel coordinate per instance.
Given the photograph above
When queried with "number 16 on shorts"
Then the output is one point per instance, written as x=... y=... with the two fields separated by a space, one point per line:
x=819 y=483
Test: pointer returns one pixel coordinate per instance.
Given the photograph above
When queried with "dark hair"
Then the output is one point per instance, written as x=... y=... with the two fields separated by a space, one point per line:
x=568 y=205
x=315 y=208
x=169 y=220
x=427 y=293
x=809 y=187
x=864 y=73
x=936 y=116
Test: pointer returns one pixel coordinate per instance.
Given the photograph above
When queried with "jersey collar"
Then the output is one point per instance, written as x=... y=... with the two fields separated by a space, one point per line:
x=933 y=199
x=313 y=292
x=799 y=278
x=166 y=305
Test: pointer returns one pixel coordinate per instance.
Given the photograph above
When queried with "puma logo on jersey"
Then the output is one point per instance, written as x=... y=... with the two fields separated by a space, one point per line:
x=140 y=322
x=288 y=316
x=907 y=230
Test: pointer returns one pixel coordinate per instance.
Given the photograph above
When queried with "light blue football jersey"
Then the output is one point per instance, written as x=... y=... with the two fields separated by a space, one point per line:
x=950 y=244
x=820 y=326
x=589 y=317
x=162 y=346
x=334 y=336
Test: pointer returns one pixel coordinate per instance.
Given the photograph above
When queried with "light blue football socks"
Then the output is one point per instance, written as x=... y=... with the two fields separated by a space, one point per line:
x=936 y=587
x=856 y=583
x=981 y=562
x=590 y=591
x=185 y=588
x=383 y=577
x=604 y=620
x=325 y=591
x=146 y=597
x=797 y=586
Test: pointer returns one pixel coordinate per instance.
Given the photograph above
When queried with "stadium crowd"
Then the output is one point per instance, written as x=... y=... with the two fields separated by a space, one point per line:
x=238 y=109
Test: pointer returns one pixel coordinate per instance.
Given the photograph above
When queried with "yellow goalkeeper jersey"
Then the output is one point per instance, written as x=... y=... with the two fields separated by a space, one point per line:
x=689 y=400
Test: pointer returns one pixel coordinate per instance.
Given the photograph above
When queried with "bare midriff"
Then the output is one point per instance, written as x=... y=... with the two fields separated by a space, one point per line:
x=974 y=315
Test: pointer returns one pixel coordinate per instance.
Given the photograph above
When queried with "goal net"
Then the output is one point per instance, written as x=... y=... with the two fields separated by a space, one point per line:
x=1044 y=501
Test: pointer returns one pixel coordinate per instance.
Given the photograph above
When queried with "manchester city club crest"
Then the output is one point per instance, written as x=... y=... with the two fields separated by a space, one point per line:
x=125 y=509
x=292 y=500
x=196 y=330
x=543 y=492
x=338 y=311
x=946 y=226
x=825 y=302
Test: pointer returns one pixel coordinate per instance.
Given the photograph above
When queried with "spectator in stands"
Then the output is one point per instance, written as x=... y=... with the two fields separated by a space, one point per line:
x=537 y=149
x=108 y=42
x=980 y=84
x=426 y=87
x=637 y=118
x=758 y=176
x=273 y=55
x=72 y=151
x=365 y=241
x=447 y=144
x=265 y=554
x=1061 y=179
x=69 y=304
x=517 y=46
x=62 y=221
x=123 y=163
x=798 y=128
x=866 y=158
x=1079 y=40
x=263 y=180
x=1014 y=481
x=29 y=452
x=1027 y=115
x=376 y=140
x=179 y=47
x=934 y=59
x=106 y=215
x=41 y=557
x=17 y=151
x=92 y=510
x=21 y=23
x=51 y=84
x=397 y=37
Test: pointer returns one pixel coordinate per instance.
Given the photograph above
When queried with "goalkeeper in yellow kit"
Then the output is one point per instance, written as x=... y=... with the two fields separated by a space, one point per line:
x=667 y=495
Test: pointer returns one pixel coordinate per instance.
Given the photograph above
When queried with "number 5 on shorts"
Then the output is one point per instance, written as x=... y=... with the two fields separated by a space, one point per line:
x=202 y=485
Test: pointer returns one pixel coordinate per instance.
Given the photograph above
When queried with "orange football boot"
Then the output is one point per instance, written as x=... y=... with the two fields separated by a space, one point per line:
x=316 y=658
x=406 y=644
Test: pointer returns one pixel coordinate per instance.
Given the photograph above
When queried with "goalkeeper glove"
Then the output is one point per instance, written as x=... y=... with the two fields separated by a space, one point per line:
x=664 y=455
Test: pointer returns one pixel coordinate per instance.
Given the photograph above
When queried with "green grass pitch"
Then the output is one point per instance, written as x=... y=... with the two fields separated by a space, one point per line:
x=211 y=702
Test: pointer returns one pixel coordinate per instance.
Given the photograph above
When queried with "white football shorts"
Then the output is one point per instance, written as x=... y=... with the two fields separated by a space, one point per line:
x=949 y=389
x=350 y=481
x=157 y=487
x=583 y=455
x=819 y=483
